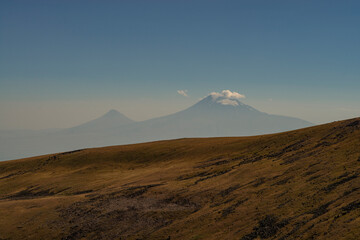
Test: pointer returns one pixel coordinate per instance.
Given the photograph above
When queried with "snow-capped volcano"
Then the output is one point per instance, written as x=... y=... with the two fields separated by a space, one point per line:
x=219 y=114
x=226 y=97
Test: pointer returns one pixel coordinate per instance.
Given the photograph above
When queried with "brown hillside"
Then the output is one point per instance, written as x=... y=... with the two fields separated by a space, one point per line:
x=303 y=184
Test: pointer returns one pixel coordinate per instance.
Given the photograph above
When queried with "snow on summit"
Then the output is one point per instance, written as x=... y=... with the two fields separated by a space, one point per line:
x=227 y=97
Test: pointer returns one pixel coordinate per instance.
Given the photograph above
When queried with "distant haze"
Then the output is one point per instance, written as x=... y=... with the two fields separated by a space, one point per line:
x=63 y=114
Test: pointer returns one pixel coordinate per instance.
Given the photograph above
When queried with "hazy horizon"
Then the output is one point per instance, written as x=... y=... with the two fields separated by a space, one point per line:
x=69 y=113
x=63 y=63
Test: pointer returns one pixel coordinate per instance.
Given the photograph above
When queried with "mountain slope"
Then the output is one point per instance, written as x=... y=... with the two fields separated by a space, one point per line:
x=302 y=184
x=97 y=132
x=211 y=118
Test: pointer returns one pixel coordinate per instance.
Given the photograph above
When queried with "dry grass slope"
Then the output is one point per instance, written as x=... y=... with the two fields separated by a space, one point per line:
x=303 y=184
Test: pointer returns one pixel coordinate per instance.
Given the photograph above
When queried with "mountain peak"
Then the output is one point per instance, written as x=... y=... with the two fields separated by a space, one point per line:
x=224 y=100
x=112 y=113
x=116 y=116
x=225 y=97
x=111 y=119
x=227 y=94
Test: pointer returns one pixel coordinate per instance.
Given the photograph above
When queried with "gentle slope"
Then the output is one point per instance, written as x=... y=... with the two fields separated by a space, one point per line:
x=302 y=184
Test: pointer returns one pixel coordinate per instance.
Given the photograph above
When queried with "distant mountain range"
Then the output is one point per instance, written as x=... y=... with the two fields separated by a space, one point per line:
x=218 y=114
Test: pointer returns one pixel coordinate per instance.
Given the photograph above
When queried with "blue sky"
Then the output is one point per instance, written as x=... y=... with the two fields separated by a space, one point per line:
x=297 y=58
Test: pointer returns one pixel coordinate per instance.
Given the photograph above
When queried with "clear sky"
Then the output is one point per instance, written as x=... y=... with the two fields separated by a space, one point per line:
x=63 y=62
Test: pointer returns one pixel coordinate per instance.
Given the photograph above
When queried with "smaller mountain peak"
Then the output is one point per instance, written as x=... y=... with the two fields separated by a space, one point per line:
x=112 y=112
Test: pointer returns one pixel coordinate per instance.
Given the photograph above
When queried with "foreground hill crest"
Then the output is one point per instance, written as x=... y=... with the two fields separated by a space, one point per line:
x=302 y=184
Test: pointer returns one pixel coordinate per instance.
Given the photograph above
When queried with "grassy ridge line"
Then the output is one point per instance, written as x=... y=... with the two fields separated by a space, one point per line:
x=293 y=185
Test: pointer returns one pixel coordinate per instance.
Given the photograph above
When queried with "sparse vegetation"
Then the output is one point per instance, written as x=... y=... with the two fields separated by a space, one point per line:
x=295 y=185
